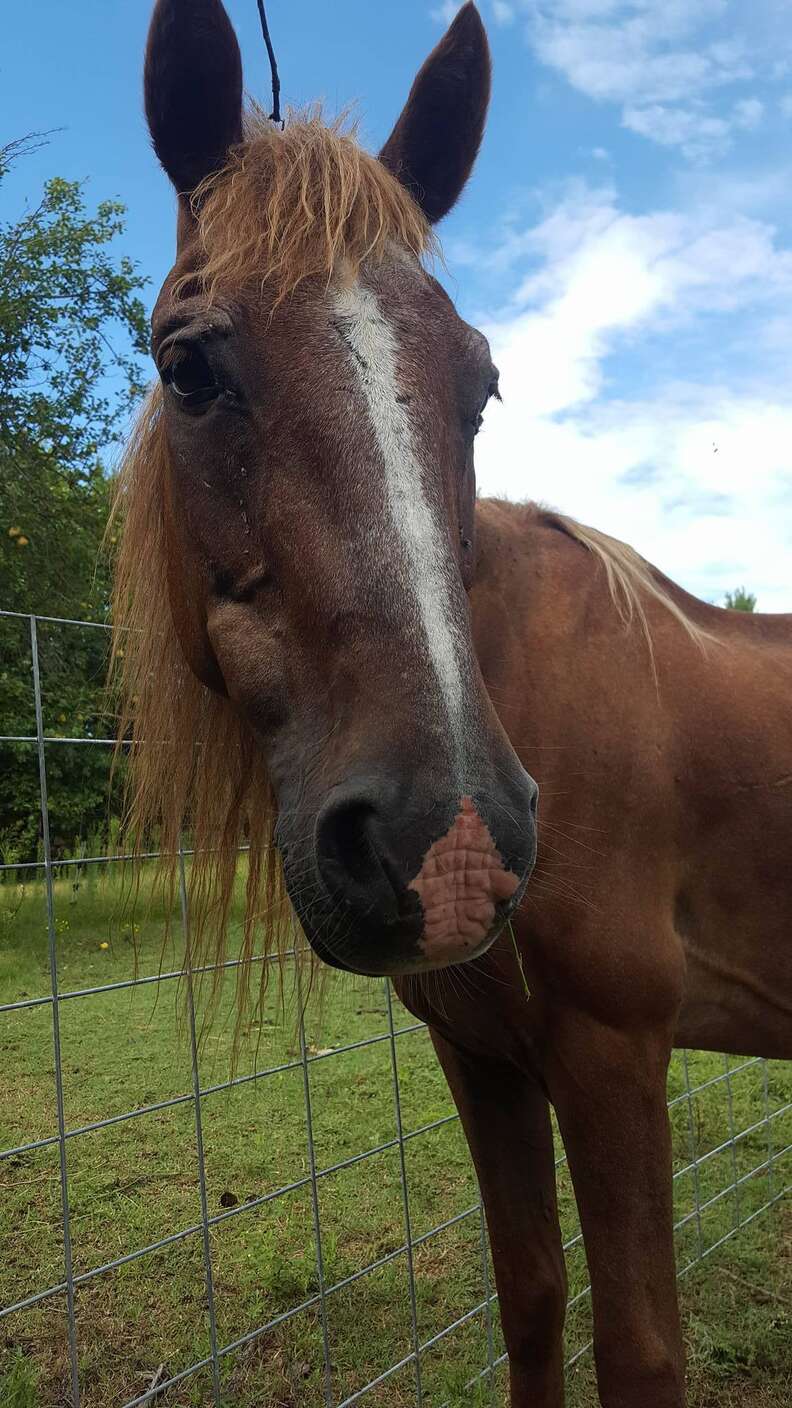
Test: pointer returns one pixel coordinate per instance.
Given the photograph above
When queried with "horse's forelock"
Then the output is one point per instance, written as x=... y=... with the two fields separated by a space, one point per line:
x=304 y=202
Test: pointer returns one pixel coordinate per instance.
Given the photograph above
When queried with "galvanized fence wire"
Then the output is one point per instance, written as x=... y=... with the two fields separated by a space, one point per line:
x=773 y=1167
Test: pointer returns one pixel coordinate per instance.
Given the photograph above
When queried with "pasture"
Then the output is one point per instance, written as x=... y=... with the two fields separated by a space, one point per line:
x=133 y=1183
x=332 y=638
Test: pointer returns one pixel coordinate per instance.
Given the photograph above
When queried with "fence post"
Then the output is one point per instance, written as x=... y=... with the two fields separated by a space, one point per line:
x=315 y=1209
x=416 y=1339
x=53 y=966
x=199 y=1145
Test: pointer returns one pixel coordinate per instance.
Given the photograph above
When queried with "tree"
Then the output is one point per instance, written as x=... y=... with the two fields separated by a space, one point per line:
x=72 y=329
x=740 y=600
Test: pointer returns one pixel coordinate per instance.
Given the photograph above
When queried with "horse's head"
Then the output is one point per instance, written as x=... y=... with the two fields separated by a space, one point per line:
x=320 y=399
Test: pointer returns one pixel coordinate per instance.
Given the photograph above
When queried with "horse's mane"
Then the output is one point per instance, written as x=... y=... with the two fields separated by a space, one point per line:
x=631 y=579
x=195 y=774
x=302 y=202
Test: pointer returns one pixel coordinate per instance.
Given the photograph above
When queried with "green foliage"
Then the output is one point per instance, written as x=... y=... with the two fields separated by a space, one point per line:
x=740 y=600
x=72 y=328
x=18 y=1384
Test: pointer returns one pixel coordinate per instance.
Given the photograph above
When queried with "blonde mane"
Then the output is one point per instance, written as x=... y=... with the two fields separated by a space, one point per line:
x=631 y=579
x=301 y=203
x=195 y=775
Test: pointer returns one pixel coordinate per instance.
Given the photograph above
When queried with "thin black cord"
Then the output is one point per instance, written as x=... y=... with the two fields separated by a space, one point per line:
x=275 y=115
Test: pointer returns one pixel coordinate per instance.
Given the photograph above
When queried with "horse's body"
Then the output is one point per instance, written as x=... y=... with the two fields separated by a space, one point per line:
x=369 y=664
x=659 y=915
x=646 y=744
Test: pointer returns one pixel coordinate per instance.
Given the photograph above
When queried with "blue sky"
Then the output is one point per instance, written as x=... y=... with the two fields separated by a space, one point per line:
x=626 y=240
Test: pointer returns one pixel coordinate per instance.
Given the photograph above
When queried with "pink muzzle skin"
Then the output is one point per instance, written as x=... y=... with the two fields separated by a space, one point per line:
x=460 y=883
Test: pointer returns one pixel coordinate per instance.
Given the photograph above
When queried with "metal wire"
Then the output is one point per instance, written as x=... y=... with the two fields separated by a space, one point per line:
x=773 y=1167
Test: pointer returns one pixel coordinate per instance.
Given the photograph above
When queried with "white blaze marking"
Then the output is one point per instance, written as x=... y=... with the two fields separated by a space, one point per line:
x=373 y=351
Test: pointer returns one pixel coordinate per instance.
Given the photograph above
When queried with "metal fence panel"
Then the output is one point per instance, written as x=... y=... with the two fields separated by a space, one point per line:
x=704 y=1179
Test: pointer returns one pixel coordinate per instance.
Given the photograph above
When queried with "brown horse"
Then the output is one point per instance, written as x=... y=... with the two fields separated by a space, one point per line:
x=337 y=647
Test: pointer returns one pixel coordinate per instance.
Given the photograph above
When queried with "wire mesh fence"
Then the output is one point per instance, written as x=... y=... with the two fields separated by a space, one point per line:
x=353 y=1265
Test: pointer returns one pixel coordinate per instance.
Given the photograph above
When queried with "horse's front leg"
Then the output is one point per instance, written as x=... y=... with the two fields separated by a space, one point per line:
x=609 y=1090
x=506 y=1120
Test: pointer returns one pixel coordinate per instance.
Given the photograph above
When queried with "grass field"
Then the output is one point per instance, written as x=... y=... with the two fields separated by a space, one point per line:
x=134 y=1182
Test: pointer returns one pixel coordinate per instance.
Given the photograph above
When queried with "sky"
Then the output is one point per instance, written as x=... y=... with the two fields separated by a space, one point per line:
x=625 y=240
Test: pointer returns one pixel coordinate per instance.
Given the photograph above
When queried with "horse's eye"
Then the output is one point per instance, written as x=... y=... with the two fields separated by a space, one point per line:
x=492 y=394
x=190 y=377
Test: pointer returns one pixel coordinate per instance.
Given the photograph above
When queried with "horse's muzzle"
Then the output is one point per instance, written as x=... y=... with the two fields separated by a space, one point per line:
x=404 y=888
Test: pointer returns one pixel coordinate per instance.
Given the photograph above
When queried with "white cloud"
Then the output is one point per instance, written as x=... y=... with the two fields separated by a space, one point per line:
x=698 y=133
x=697 y=472
x=748 y=113
x=445 y=12
x=613 y=268
x=635 y=50
x=503 y=11
x=666 y=63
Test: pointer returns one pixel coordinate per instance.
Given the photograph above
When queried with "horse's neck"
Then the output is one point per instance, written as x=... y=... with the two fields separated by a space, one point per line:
x=529 y=582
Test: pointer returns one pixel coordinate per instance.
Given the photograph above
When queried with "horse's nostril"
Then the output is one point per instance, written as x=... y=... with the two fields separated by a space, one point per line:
x=347 y=839
x=352 y=856
x=533 y=802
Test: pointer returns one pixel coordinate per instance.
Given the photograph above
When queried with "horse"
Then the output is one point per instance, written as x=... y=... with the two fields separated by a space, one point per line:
x=335 y=651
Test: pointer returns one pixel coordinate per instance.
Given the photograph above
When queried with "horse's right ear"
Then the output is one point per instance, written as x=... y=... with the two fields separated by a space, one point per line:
x=193 y=88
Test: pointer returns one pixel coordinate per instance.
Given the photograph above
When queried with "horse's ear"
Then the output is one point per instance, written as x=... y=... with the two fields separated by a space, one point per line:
x=435 y=141
x=193 y=88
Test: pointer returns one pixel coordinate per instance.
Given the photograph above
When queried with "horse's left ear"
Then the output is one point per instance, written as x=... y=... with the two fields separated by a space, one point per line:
x=435 y=141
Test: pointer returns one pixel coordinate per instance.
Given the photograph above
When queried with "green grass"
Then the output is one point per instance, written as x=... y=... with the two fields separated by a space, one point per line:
x=134 y=1182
